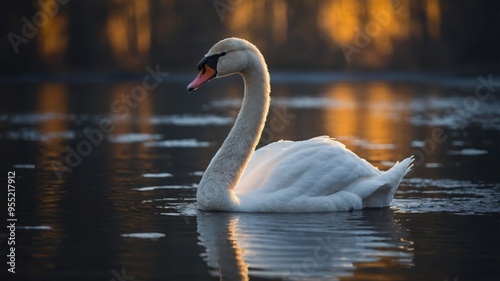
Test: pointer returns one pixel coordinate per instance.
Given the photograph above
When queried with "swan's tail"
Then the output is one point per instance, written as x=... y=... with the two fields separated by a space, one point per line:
x=398 y=171
x=388 y=184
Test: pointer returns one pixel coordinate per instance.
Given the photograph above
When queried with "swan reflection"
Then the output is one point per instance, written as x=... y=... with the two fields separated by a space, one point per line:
x=313 y=246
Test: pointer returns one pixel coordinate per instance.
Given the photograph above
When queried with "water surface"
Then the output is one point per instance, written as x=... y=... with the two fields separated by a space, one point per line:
x=105 y=186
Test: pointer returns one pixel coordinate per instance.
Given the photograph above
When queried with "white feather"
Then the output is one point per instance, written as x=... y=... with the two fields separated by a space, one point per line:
x=315 y=175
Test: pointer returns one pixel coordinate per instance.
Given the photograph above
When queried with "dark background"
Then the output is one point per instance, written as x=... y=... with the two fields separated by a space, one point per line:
x=127 y=35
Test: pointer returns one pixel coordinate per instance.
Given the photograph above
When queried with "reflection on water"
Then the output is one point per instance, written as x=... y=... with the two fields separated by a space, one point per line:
x=129 y=202
x=302 y=246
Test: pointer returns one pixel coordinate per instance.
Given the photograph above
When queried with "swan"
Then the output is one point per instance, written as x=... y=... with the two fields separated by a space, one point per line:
x=315 y=175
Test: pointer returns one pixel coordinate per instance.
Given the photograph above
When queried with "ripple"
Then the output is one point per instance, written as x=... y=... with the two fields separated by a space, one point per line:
x=150 y=188
x=179 y=143
x=179 y=208
x=33 y=118
x=24 y=166
x=191 y=120
x=30 y=134
x=133 y=137
x=468 y=152
x=417 y=143
x=366 y=144
x=144 y=235
x=441 y=183
x=447 y=196
x=158 y=175
x=292 y=102
x=300 y=246
x=433 y=165
x=37 y=227
x=453 y=112
x=312 y=102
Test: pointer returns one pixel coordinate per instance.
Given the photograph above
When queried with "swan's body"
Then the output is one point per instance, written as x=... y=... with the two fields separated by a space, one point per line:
x=316 y=175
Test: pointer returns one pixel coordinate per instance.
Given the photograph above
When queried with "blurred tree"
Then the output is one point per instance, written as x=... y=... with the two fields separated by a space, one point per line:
x=127 y=35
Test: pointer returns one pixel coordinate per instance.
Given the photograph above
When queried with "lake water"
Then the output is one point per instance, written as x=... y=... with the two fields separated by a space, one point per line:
x=105 y=183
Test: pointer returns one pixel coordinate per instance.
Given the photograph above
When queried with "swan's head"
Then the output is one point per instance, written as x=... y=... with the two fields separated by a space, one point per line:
x=228 y=56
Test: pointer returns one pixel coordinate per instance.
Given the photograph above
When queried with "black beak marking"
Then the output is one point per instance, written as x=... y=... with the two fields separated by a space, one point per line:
x=211 y=60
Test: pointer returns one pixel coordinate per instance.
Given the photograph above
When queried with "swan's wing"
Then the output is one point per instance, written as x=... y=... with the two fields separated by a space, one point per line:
x=315 y=167
x=265 y=153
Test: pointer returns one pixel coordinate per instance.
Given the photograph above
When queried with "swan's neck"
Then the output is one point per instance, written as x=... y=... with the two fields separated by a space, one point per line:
x=215 y=191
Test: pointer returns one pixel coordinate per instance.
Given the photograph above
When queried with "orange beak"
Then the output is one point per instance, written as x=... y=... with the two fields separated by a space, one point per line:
x=206 y=73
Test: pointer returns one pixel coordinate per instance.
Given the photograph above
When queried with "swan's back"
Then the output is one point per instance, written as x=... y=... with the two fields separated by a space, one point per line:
x=319 y=174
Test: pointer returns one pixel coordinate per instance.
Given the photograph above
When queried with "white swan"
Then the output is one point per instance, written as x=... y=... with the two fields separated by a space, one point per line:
x=315 y=175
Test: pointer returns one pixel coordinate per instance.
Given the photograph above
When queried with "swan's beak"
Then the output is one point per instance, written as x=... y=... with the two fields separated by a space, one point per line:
x=206 y=73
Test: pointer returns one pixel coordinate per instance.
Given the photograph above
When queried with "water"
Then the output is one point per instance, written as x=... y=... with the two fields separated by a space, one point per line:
x=105 y=185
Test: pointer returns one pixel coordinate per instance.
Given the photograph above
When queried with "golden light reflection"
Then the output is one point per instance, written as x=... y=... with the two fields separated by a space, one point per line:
x=433 y=19
x=241 y=266
x=367 y=118
x=342 y=120
x=383 y=262
x=128 y=30
x=51 y=99
x=377 y=127
x=53 y=35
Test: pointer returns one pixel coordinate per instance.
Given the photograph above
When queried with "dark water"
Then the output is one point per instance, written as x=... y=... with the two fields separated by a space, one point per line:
x=105 y=184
